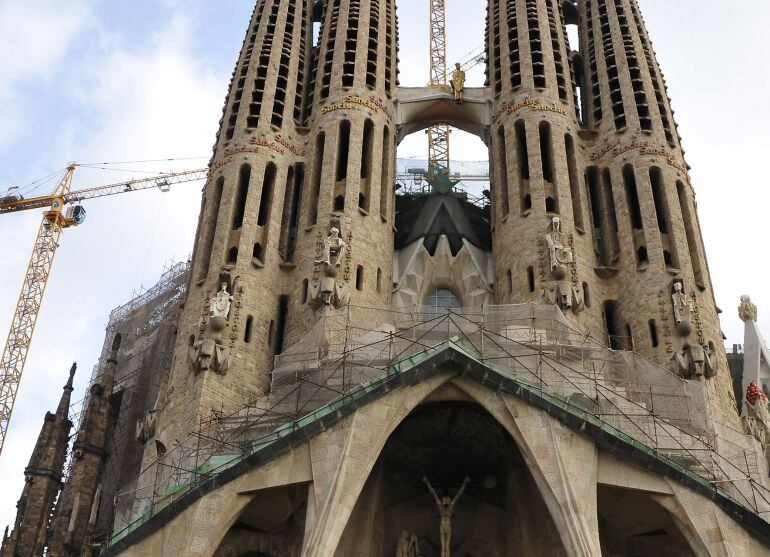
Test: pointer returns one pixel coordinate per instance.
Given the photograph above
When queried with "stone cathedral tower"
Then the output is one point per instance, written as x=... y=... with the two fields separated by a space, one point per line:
x=364 y=371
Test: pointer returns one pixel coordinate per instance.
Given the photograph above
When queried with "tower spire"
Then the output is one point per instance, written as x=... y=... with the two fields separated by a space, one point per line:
x=43 y=477
x=70 y=524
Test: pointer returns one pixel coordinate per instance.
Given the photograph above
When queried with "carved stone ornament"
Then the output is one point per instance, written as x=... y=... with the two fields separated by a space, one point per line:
x=747 y=311
x=567 y=292
x=327 y=290
x=683 y=308
x=145 y=428
x=694 y=362
x=209 y=354
x=756 y=414
x=559 y=250
x=566 y=296
x=408 y=545
x=219 y=306
x=333 y=252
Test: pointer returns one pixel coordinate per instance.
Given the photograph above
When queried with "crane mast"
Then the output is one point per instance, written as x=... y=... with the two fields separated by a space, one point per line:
x=30 y=299
x=438 y=135
x=55 y=219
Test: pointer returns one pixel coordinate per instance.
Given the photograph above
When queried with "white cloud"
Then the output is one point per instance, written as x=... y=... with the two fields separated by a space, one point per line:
x=150 y=99
x=34 y=39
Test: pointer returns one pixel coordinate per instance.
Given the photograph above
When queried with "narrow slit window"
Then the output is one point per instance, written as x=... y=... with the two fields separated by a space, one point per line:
x=359 y=278
x=379 y=280
x=502 y=155
x=242 y=192
x=385 y=176
x=247 y=332
x=210 y=231
x=280 y=324
x=574 y=183
x=315 y=190
x=343 y=146
x=268 y=185
x=689 y=217
x=546 y=151
x=586 y=295
x=531 y=278
x=632 y=196
x=525 y=197
x=367 y=149
x=305 y=286
x=509 y=275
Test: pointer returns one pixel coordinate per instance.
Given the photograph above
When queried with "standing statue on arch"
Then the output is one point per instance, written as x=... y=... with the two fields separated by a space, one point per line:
x=457 y=84
x=446 y=508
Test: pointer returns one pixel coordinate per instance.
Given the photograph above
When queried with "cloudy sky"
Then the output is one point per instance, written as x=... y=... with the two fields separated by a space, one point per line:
x=105 y=81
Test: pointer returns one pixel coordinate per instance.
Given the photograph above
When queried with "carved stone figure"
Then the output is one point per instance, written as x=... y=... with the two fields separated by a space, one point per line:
x=145 y=428
x=329 y=292
x=446 y=508
x=220 y=303
x=457 y=84
x=407 y=545
x=559 y=250
x=334 y=249
x=210 y=354
x=747 y=311
x=683 y=308
x=756 y=414
x=566 y=296
x=694 y=362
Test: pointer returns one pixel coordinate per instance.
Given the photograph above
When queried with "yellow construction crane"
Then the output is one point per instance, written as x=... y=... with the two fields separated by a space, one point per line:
x=62 y=210
x=438 y=135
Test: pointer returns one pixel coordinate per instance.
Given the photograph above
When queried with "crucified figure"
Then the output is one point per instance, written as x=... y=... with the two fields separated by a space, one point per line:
x=446 y=508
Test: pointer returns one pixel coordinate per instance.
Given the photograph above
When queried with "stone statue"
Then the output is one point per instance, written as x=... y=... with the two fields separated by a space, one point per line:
x=747 y=311
x=694 y=362
x=683 y=308
x=566 y=296
x=407 y=545
x=328 y=290
x=446 y=508
x=145 y=429
x=457 y=84
x=559 y=250
x=334 y=249
x=210 y=354
x=220 y=303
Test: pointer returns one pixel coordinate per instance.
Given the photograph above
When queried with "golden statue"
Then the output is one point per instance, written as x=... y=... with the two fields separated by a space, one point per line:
x=457 y=84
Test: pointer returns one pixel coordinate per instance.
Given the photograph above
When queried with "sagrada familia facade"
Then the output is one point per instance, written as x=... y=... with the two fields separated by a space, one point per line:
x=352 y=370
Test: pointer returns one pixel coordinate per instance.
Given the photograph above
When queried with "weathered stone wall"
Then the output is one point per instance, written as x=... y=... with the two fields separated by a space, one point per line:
x=351 y=170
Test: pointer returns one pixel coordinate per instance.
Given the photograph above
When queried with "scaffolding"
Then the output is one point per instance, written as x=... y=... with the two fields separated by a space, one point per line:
x=146 y=325
x=351 y=353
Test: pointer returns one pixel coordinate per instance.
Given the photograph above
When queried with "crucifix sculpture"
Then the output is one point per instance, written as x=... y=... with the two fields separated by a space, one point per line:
x=446 y=508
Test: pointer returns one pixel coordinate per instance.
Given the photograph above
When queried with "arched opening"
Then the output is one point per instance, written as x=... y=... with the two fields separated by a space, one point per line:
x=501 y=512
x=633 y=524
x=443 y=298
x=272 y=524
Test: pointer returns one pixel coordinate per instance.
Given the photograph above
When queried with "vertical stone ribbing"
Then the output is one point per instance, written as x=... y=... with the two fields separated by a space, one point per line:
x=350 y=186
x=535 y=119
x=249 y=224
x=641 y=200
